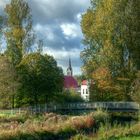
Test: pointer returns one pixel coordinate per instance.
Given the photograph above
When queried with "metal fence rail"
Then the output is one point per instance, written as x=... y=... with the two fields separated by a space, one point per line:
x=13 y=111
x=109 y=106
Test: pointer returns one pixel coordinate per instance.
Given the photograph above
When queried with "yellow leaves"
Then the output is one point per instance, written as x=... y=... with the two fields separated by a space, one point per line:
x=7 y=8
x=101 y=73
x=18 y=32
x=107 y=48
x=103 y=78
x=87 y=22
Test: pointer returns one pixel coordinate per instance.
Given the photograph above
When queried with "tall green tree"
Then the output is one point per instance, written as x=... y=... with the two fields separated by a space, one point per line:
x=41 y=78
x=19 y=34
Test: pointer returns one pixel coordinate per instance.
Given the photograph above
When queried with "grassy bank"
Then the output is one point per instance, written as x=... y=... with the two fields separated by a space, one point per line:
x=51 y=126
x=46 y=126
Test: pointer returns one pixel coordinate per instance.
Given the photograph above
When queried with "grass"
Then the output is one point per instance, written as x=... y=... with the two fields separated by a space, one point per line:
x=117 y=131
x=130 y=138
x=51 y=126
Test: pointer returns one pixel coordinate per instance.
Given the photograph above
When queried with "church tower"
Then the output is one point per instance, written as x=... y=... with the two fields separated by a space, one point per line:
x=69 y=69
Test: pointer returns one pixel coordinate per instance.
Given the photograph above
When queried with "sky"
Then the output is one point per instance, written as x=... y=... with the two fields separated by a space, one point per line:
x=57 y=23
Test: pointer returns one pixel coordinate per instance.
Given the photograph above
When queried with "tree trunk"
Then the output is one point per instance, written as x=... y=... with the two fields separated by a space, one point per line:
x=35 y=99
x=13 y=101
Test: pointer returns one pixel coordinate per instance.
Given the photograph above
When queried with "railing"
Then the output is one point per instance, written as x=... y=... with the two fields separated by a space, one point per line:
x=13 y=111
x=105 y=105
x=110 y=106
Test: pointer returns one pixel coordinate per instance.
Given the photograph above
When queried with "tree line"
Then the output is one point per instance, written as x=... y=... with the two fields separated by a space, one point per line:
x=111 y=30
x=27 y=76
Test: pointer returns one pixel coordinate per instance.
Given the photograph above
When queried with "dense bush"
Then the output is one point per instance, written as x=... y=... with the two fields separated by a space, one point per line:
x=67 y=97
x=100 y=116
x=83 y=123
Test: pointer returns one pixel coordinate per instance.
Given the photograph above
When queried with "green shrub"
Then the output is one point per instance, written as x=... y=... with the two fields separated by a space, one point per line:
x=83 y=123
x=100 y=116
x=69 y=96
x=66 y=133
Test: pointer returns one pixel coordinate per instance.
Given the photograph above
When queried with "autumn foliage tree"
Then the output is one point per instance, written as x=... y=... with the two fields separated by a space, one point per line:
x=111 y=37
x=103 y=78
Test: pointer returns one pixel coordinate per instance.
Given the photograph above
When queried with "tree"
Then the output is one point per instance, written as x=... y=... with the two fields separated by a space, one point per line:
x=19 y=34
x=1 y=25
x=131 y=31
x=80 y=78
x=103 y=87
x=67 y=97
x=40 y=46
x=8 y=83
x=41 y=77
x=109 y=30
x=135 y=91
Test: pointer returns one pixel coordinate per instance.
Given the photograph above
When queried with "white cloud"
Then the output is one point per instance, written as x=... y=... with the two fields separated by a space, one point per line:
x=71 y=30
x=79 y=16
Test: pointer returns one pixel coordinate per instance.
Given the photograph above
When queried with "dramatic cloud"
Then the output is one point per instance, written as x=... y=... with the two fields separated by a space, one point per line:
x=57 y=23
x=48 y=11
x=71 y=30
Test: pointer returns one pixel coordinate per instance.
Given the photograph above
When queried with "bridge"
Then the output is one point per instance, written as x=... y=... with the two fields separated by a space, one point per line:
x=92 y=106
x=78 y=107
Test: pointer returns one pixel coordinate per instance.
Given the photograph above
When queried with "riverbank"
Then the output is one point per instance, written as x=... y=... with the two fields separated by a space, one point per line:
x=51 y=126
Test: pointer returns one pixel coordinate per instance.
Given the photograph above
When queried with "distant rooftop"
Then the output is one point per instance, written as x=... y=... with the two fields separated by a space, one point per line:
x=84 y=82
x=70 y=82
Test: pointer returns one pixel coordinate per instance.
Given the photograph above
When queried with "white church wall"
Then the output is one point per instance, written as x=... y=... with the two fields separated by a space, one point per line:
x=85 y=92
